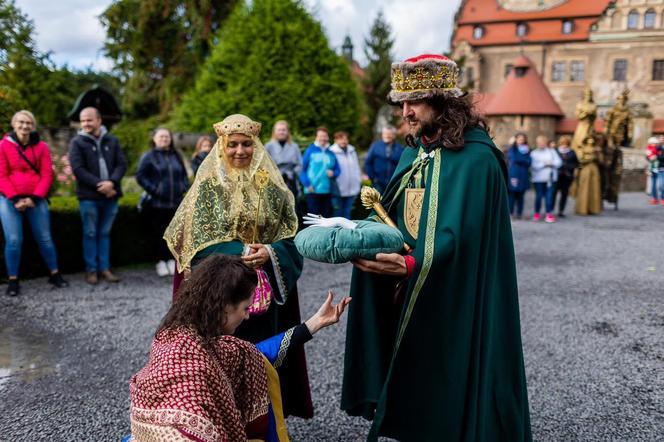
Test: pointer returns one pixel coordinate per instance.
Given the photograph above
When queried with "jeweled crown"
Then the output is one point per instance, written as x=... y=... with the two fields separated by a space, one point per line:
x=237 y=124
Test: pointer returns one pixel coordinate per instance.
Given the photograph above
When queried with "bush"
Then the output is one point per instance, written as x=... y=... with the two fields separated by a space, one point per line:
x=134 y=136
x=272 y=62
x=129 y=244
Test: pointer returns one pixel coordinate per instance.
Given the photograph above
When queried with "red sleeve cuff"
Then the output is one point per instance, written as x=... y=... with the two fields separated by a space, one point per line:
x=410 y=264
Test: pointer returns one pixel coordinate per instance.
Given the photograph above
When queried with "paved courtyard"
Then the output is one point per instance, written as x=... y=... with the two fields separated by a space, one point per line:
x=592 y=309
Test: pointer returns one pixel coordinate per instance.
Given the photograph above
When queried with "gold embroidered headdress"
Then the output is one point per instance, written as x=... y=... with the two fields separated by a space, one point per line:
x=223 y=203
x=422 y=77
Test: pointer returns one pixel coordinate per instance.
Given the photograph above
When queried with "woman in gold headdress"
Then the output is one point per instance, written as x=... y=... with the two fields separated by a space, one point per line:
x=240 y=205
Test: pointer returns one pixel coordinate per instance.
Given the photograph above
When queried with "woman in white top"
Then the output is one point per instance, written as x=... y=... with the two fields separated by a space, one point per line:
x=544 y=175
x=349 y=179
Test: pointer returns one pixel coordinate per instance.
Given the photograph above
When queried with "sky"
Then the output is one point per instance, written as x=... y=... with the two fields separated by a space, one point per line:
x=71 y=31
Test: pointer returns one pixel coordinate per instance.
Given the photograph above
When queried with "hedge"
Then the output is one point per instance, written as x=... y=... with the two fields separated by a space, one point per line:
x=129 y=244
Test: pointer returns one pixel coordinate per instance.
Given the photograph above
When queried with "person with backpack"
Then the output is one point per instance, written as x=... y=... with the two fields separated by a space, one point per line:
x=26 y=175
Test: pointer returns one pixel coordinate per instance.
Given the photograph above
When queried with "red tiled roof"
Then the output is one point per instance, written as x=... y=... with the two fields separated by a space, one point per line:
x=568 y=125
x=487 y=11
x=526 y=95
x=543 y=26
x=658 y=126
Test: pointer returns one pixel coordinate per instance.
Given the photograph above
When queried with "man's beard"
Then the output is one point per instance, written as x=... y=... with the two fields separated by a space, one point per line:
x=426 y=128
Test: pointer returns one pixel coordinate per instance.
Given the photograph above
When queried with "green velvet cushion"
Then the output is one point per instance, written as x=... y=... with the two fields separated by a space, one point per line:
x=337 y=244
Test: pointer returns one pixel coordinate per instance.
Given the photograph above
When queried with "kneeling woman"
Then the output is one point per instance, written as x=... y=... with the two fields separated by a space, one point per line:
x=200 y=383
x=239 y=205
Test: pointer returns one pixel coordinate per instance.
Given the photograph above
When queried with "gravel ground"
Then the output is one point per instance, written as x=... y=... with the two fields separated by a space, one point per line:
x=592 y=318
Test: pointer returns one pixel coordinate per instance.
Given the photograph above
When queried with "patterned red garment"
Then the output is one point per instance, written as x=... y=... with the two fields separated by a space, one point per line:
x=197 y=392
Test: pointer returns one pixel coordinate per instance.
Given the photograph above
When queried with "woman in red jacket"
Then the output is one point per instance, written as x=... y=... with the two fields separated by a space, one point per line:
x=26 y=174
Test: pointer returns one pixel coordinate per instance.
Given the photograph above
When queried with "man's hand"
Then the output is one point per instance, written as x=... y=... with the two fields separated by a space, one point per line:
x=111 y=193
x=310 y=189
x=392 y=264
x=330 y=173
x=105 y=187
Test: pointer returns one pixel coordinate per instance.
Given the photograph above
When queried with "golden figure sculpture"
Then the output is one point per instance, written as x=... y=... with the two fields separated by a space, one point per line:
x=619 y=124
x=588 y=190
x=586 y=113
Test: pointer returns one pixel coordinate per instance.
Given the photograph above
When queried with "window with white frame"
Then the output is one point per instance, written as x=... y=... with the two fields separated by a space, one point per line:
x=620 y=69
x=633 y=19
x=521 y=29
x=577 y=70
x=478 y=32
x=568 y=26
x=558 y=71
x=649 y=19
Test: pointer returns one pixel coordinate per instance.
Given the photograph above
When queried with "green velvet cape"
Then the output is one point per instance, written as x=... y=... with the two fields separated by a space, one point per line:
x=445 y=363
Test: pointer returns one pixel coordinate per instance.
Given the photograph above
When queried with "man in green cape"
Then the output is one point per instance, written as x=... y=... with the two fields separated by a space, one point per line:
x=433 y=346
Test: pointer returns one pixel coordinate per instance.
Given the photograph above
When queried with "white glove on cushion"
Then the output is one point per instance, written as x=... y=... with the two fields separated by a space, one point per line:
x=337 y=240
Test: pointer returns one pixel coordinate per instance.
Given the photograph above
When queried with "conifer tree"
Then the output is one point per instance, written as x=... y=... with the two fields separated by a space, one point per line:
x=272 y=62
x=157 y=46
x=378 y=51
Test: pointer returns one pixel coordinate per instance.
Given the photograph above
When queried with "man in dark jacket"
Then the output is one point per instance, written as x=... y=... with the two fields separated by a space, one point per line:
x=99 y=165
x=383 y=158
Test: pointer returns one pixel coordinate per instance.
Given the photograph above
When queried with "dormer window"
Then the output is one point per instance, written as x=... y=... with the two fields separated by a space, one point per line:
x=521 y=29
x=478 y=32
x=568 y=27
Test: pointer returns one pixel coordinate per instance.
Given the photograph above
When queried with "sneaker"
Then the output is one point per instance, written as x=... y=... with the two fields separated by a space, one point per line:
x=550 y=218
x=91 y=278
x=653 y=201
x=562 y=215
x=57 y=281
x=170 y=264
x=536 y=217
x=13 y=289
x=108 y=276
x=162 y=269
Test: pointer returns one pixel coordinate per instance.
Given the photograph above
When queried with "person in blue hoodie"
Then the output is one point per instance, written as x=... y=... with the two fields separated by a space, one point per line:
x=319 y=170
x=518 y=158
x=382 y=158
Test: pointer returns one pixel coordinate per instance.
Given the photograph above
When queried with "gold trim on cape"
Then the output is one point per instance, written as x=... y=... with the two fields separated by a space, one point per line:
x=412 y=210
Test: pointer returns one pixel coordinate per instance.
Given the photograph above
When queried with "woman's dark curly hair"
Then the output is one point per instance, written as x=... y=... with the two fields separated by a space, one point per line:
x=218 y=281
x=454 y=115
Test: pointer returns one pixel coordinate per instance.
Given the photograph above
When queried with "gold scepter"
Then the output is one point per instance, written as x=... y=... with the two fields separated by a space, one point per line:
x=261 y=179
x=370 y=198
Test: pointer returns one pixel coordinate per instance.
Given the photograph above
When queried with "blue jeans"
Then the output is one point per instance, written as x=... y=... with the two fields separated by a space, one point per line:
x=546 y=192
x=12 y=226
x=343 y=205
x=320 y=204
x=515 y=200
x=97 y=216
x=654 y=178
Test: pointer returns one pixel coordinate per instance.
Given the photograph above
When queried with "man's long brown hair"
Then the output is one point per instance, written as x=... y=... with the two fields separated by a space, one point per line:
x=218 y=281
x=454 y=115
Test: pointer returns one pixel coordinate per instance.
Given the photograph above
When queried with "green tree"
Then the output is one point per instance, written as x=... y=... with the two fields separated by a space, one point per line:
x=158 y=46
x=272 y=62
x=30 y=80
x=378 y=51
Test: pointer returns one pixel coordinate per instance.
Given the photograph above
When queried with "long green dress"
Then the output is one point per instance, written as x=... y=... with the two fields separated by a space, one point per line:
x=445 y=363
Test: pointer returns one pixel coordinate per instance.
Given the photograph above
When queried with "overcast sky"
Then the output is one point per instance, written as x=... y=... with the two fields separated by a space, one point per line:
x=71 y=29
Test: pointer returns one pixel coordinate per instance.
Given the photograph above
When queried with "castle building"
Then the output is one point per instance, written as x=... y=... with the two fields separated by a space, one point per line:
x=607 y=45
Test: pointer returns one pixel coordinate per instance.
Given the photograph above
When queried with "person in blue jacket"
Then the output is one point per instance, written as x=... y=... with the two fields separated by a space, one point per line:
x=382 y=158
x=518 y=158
x=319 y=170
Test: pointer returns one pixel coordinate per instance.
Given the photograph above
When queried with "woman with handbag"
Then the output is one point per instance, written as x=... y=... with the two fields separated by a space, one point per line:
x=161 y=173
x=239 y=205
x=26 y=175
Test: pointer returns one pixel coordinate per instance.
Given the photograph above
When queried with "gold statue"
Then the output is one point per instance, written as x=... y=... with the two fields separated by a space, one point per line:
x=618 y=124
x=588 y=188
x=586 y=113
x=370 y=199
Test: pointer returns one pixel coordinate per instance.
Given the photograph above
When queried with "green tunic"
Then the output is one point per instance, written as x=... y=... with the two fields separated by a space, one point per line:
x=444 y=364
